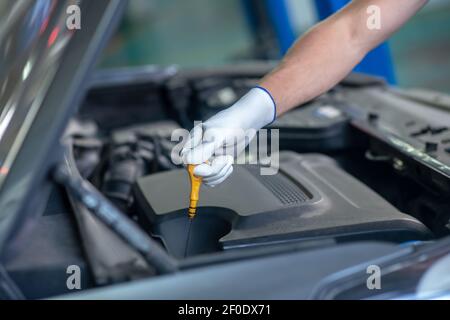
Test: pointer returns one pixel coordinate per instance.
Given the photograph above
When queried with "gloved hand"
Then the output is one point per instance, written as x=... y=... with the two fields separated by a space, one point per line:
x=213 y=144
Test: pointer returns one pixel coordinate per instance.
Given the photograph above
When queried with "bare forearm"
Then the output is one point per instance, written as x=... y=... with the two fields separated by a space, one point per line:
x=329 y=51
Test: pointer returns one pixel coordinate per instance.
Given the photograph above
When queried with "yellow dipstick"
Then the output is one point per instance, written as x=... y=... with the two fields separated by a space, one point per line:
x=196 y=182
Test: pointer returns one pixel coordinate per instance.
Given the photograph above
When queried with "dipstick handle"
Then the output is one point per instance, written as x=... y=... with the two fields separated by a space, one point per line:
x=196 y=183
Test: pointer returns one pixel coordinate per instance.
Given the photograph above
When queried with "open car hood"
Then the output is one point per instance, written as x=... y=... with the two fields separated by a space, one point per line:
x=44 y=63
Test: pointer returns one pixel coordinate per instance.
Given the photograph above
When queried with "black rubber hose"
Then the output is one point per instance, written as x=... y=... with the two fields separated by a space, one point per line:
x=126 y=228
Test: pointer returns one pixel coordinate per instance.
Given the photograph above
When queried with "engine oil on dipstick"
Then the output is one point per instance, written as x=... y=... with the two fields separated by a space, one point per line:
x=196 y=183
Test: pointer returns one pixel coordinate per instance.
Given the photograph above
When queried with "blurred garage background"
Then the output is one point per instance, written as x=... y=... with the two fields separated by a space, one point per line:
x=215 y=32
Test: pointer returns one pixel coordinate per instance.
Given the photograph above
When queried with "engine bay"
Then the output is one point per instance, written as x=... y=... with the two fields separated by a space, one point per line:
x=310 y=198
x=348 y=173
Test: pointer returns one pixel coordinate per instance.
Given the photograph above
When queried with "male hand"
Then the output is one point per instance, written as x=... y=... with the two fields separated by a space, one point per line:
x=213 y=144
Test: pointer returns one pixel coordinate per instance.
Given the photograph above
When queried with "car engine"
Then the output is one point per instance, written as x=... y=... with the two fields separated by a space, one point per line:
x=346 y=174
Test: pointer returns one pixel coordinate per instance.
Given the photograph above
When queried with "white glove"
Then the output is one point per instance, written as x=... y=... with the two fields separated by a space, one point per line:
x=213 y=144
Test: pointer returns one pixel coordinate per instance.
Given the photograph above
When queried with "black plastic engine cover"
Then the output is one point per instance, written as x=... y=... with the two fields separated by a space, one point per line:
x=309 y=198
